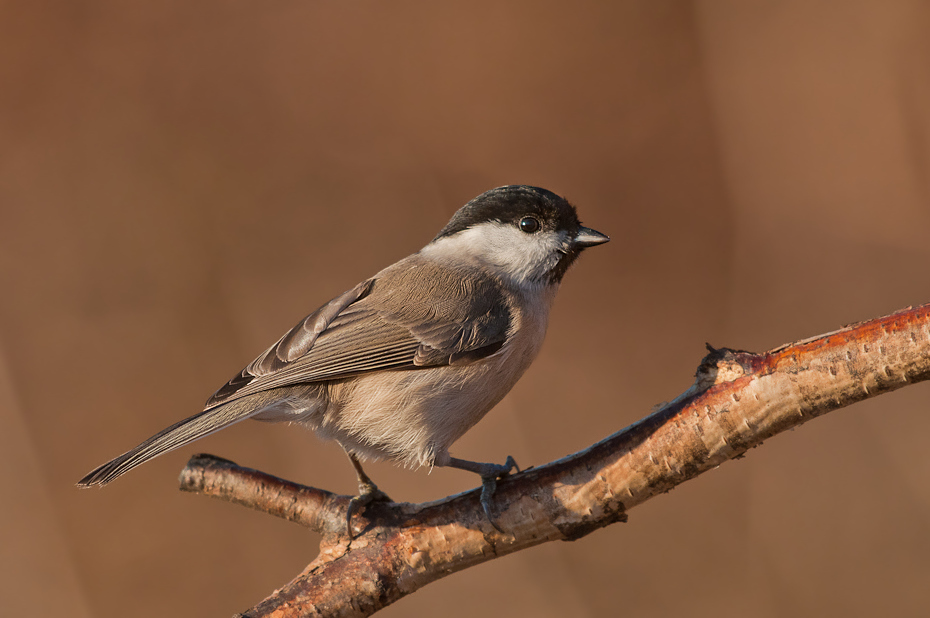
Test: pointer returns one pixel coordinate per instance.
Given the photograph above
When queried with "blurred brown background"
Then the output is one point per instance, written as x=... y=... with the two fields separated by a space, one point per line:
x=180 y=182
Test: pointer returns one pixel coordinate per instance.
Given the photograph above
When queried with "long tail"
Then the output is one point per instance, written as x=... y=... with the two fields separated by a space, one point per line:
x=179 y=434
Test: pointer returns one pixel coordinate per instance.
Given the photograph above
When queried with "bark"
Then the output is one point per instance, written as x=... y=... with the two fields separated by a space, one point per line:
x=738 y=400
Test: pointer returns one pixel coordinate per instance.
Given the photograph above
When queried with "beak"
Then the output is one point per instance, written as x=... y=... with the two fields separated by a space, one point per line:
x=586 y=237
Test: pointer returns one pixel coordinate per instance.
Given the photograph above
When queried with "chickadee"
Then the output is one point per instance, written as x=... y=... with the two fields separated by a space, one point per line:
x=404 y=363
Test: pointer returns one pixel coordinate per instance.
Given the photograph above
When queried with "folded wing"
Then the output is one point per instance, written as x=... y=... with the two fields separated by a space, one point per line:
x=414 y=314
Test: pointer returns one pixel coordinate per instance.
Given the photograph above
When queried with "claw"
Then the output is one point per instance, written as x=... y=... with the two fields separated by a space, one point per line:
x=488 y=487
x=511 y=464
x=489 y=474
x=368 y=493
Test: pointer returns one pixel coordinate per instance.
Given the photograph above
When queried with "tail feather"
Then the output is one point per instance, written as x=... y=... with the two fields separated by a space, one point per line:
x=179 y=434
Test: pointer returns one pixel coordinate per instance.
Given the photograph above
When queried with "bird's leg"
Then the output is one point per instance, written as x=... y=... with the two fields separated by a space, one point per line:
x=489 y=474
x=368 y=492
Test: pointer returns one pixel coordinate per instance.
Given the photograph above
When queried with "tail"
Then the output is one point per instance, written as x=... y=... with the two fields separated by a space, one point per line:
x=179 y=434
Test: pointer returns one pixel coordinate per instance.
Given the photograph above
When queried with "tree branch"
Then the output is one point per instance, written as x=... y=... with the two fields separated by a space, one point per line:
x=739 y=399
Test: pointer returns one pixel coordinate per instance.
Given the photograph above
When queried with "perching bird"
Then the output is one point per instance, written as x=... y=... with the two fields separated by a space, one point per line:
x=404 y=363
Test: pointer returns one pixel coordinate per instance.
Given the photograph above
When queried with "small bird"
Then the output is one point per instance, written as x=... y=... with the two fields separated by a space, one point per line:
x=403 y=364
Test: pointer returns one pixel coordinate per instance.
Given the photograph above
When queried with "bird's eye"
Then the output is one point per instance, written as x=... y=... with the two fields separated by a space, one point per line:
x=530 y=225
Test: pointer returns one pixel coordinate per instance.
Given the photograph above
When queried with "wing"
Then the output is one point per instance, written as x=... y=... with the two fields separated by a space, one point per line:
x=294 y=344
x=411 y=315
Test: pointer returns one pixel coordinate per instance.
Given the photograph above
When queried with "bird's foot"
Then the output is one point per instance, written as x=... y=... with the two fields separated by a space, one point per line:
x=368 y=492
x=489 y=473
x=489 y=486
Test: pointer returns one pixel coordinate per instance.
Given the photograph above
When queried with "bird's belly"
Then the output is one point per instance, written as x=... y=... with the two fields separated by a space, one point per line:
x=413 y=416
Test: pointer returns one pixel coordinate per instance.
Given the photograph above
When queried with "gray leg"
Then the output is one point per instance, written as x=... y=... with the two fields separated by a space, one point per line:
x=489 y=474
x=368 y=492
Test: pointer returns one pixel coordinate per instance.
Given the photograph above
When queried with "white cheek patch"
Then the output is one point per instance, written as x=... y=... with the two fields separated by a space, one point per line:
x=511 y=253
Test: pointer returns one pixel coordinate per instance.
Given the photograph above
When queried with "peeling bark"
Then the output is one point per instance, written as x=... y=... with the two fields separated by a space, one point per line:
x=738 y=400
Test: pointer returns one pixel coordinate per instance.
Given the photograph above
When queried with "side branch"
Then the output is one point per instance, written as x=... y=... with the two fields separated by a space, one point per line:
x=316 y=509
x=738 y=400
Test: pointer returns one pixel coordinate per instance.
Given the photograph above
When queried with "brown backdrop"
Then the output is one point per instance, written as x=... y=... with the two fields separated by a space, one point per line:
x=181 y=181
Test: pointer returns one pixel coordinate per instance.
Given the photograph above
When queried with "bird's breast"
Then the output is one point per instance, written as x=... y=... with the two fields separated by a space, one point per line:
x=414 y=416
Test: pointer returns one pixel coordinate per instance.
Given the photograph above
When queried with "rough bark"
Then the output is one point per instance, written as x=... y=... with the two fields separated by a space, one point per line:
x=739 y=399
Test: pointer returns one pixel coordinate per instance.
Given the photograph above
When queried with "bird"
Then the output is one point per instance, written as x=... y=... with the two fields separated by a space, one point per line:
x=403 y=364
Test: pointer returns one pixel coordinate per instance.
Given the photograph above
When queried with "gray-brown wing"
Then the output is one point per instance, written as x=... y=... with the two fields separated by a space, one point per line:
x=294 y=344
x=413 y=314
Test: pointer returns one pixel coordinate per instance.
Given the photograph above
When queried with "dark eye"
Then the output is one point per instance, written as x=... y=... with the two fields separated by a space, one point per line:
x=530 y=225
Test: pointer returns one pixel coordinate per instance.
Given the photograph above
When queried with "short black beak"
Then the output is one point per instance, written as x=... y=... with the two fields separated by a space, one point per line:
x=586 y=237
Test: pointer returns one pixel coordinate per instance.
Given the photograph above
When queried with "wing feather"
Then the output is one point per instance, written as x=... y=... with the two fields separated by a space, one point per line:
x=446 y=318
